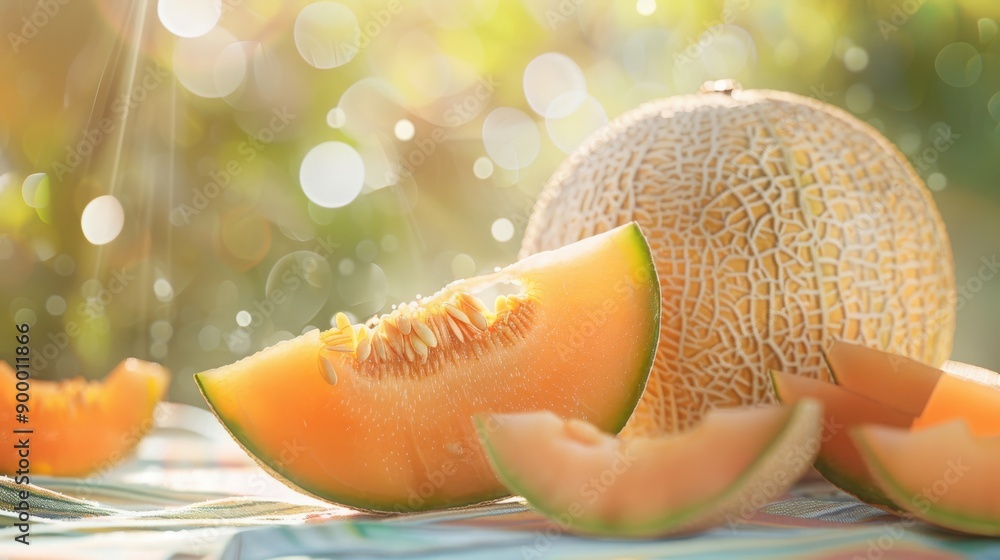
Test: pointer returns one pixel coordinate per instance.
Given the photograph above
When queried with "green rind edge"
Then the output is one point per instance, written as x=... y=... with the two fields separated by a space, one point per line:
x=645 y=253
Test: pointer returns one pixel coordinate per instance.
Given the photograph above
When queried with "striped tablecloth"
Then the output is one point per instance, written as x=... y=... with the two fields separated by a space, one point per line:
x=191 y=494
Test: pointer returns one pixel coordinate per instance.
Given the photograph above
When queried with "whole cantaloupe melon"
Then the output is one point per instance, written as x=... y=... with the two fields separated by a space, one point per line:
x=778 y=223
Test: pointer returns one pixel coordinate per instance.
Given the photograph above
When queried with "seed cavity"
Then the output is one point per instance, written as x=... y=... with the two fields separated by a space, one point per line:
x=411 y=331
x=500 y=306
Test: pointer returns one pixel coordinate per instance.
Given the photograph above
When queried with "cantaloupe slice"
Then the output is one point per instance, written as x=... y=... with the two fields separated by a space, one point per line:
x=895 y=380
x=930 y=394
x=377 y=416
x=725 y=468
x=838 y=459
x=78 y=426
x=943 y=475
x=969 y=392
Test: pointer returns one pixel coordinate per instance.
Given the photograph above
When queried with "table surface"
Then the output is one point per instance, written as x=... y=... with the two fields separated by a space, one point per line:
x=190 y=493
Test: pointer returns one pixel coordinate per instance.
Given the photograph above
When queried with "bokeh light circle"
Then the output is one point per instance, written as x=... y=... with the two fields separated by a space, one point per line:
x=511 y=138
x=346 y=266
x=102 y=220
x=212 y=65
x=327 y=34
x=55 y=305
x=34 y=190
x=366 y=250
x=855 y=59
x=551 y=76
x=335 y=117
x=645 y=7
x=64 y=265
x=993 y=105
x=163 y=291
x=364 y=290
x=209 y=338
x=189 y=18
x=937 y=181
x=243 y=318
x=959 y=64
x=404 y=129
x=859 y=98
x=26 y=315
x=569 y=131
x=332 y=174
x=389 y=243
x=729 y=51
x=482 y=168
x=298 y=286
x=463 y=266
x=502 y=230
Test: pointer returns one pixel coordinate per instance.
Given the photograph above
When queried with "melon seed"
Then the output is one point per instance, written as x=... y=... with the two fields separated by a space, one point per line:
x=419 y=347
x=329 y=373
x=342 y=321
x=425 y=334
x=364 y=347
x=378 y=343
x=457 y=314
x=403 y=323
x=393 y=336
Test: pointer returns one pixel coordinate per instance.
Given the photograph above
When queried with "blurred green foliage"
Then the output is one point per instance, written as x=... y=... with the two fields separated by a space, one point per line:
x=201 y=142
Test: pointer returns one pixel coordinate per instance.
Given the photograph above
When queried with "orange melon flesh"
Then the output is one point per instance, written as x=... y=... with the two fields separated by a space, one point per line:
x=943 y=475
x=930 y=394
x=954 y=397
x=724 y=468
x=580 y=343
x=78 y=426
x=899 y=382
x=838 y=459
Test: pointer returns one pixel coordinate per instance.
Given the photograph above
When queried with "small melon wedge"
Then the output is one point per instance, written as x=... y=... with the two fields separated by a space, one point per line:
x=376 y=416
x=899 y=382
x=958 y=398
x=79 y=426
x=943 y=475
x=838 y=459
x=724 y=468
x=929 y=394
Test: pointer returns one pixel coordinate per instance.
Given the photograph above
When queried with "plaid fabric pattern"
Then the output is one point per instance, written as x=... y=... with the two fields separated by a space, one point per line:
x=130 y=514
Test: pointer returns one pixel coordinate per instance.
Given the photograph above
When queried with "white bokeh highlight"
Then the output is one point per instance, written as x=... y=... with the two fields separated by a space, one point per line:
x=102 y=220
x=189 y=18
x=502 y=230
x=511 y=138
x=551 y=76
x=332 y=174
x=327 y=34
